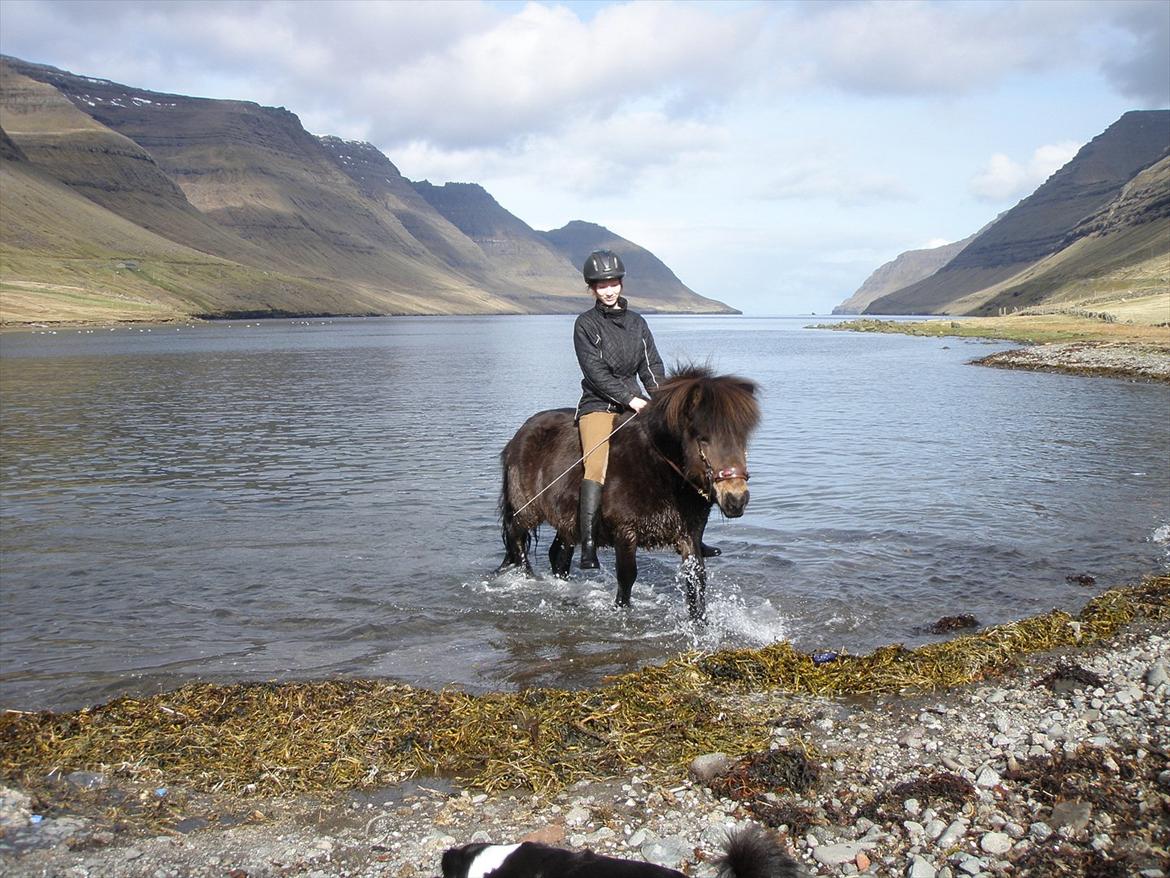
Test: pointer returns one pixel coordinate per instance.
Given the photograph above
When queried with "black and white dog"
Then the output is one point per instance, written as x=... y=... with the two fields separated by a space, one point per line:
x=750 y=853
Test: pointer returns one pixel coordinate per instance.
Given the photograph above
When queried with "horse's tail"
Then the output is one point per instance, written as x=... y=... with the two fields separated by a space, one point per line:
x=517 y=538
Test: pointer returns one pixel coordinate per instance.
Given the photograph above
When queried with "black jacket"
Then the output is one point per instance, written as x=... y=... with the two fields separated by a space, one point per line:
x=615 y=348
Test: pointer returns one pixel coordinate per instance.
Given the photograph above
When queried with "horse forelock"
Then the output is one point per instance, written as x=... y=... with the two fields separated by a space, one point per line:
x=709 y=404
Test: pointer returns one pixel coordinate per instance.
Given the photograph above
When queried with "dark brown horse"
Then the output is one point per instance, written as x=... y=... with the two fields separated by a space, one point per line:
x=668 y=465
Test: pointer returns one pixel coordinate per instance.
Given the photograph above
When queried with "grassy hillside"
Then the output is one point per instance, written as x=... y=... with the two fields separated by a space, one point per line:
x=121 y=201
x=1012 y=264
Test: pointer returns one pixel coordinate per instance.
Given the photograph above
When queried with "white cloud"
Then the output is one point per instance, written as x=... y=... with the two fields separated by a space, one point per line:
x=834 y=181
x=1004 y=179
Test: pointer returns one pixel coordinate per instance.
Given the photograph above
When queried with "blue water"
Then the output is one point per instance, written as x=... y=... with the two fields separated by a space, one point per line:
x=307 y=499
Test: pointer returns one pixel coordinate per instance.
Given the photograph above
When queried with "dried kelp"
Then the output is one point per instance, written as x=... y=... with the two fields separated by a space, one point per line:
x=294 y=737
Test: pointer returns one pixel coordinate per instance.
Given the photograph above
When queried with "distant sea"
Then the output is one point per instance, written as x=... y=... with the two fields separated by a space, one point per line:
x=309 y=499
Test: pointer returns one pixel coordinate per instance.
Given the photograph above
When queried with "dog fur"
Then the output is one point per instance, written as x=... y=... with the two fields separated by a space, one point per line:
x=749 y=853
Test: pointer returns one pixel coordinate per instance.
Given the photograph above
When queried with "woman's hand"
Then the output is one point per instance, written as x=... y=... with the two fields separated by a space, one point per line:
x=637 y=403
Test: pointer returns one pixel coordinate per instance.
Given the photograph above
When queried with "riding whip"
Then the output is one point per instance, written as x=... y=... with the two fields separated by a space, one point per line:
x=574 y=464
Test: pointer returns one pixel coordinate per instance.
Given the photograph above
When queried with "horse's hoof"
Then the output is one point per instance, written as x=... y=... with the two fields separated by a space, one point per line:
x=711 y=551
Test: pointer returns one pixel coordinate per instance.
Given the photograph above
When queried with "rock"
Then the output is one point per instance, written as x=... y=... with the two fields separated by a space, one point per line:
x=1071 y=815
x=1157 y=675
x=709 y=766
x=837 y=854
x=15 y=809
x=952 y=834
x=968 y=864
x=954 y=623
x=920 y=868
x=913 y=807
x=1039 y=831
x=638 y=839
x=553 y=833
x=913 y=737
x=987 y=778
x=577 y=816
x=670 y=852
x=996 y=842
x=861 y=861
x=87 y=780
x=934 y=829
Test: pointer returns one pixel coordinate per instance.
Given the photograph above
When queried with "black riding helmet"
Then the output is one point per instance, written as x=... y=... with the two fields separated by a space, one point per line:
x=603 y=265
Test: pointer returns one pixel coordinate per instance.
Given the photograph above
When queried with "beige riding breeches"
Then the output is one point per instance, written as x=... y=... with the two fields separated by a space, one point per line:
x=596 y=427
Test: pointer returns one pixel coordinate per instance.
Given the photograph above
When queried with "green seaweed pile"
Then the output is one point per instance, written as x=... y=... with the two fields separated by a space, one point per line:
x=281 y=738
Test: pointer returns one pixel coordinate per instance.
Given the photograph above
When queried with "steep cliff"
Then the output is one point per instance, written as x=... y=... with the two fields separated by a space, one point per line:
x=1041 y=224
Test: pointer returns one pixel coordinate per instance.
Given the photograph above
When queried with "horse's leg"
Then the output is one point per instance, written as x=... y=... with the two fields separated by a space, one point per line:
x=560 y=555
x=516 y=542
x=694 y=576
x=626 y=568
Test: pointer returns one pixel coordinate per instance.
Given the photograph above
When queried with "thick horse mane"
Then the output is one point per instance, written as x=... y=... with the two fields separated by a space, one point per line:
x=711 y=404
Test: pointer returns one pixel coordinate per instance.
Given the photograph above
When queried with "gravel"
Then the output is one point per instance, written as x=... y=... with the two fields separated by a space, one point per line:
x=1111 y=359
x=1004 y=777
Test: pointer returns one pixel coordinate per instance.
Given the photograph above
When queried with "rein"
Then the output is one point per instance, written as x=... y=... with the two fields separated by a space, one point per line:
x=575 y=462
x=713 y=476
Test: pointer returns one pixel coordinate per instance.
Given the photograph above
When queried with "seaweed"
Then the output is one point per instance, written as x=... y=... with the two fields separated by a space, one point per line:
x=280 y=738
x=785 y=769
x=938 y=787
x=1067 y=676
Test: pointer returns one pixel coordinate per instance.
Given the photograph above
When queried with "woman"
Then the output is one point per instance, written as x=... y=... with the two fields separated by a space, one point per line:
x=614 y=348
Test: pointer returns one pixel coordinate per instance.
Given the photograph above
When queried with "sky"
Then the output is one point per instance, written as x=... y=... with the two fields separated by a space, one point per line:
x=773 y=154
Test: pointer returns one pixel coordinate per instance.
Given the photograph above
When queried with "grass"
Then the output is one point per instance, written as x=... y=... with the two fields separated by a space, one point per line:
x=1025 y=328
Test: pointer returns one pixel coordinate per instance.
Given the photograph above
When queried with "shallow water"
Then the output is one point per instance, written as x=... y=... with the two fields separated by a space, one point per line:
x=306 y=499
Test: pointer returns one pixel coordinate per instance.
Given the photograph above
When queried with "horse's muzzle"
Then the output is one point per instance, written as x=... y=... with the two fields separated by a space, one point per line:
x=732 y=497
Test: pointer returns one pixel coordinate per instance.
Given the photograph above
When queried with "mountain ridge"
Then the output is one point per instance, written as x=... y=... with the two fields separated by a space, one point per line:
x=1016 y=261
x=262 y=215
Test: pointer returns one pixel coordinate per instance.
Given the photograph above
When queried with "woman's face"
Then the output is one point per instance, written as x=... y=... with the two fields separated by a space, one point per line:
x=607 y=292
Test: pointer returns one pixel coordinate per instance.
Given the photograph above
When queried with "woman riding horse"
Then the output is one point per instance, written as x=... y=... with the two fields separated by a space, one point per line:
x=614 y=348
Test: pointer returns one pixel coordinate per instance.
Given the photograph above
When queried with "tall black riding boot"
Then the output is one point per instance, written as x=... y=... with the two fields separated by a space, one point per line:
x=587 y=517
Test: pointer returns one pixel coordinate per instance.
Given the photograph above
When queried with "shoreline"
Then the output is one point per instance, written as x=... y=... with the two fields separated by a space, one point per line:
x=1047 y=763
x=1072 y=346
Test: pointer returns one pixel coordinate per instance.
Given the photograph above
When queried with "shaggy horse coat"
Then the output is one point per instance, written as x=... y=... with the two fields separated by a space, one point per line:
x=685 y=452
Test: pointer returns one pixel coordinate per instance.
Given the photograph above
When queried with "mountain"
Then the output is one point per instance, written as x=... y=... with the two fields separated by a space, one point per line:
x=652 y=285
x=1112 y=259
x=901 y=271
x=511 y=246
x=998 y=268
x=215 y=208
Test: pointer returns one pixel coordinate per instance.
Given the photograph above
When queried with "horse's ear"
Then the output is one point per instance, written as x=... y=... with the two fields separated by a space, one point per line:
x=748 y=387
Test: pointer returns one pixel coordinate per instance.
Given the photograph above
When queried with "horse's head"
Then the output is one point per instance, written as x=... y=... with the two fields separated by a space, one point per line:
x=708 y=418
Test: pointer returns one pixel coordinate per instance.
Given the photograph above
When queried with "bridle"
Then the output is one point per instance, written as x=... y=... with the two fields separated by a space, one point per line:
x=713 y=476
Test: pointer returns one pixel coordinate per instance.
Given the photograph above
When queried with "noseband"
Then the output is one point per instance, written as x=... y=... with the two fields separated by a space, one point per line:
x=723 y=475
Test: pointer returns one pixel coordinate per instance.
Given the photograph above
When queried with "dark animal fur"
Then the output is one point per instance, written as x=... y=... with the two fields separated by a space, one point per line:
x=750 y=853
x=646 y=502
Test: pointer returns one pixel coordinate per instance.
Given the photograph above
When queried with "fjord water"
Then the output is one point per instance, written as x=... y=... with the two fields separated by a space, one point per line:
x=310 y=499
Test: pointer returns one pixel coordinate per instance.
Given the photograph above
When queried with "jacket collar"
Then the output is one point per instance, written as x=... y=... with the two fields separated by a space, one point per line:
x=618 y=310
